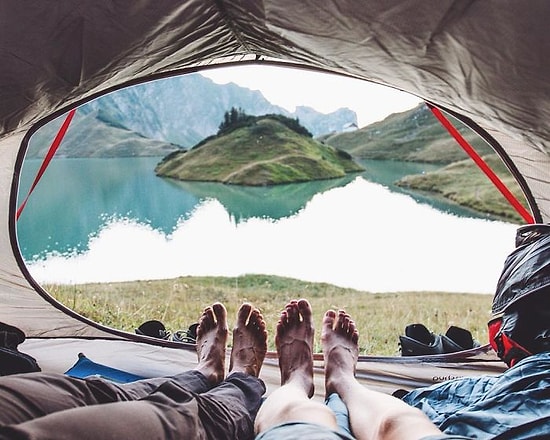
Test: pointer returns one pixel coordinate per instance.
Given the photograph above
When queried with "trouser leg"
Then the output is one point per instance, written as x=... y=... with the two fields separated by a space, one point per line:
x=169 y=412
x=228 y=411
x=28 y=396
x=340 y=410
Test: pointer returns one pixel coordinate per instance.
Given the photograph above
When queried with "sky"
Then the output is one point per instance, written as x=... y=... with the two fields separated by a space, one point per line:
x=291 y=87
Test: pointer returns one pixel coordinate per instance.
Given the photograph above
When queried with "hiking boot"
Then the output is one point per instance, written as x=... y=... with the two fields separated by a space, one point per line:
x=188 y=336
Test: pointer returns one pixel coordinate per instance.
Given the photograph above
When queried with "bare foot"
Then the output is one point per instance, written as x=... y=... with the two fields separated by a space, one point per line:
x=249 y=341
x=212 y=335
x=294 y=342
x=340 y=341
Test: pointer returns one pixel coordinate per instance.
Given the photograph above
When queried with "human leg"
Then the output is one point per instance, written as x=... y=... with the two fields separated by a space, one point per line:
x=236 y=401
x=227 y=410
x=170 y=411
x=28 y=396
x=291 y=402
x=373 y=415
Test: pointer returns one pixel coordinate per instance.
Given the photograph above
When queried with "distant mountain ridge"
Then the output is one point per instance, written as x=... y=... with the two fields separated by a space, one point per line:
x=172 y=113
x=417 y=136
x=414 y=136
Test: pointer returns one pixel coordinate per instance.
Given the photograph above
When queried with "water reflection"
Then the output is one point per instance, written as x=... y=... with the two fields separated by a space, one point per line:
x=62 y=218
x=275 y=202
x=360 y=235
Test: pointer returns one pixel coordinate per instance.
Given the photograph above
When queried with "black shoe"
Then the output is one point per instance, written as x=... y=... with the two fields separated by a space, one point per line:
x=419 y=341
x=188 y=336
x=458 y=339
x=12 y=361
x=153 y=328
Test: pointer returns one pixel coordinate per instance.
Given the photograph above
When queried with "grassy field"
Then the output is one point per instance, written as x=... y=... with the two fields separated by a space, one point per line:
x=381 y=317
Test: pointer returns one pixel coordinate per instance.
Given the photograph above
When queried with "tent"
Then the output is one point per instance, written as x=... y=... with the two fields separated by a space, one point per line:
x=483 y=61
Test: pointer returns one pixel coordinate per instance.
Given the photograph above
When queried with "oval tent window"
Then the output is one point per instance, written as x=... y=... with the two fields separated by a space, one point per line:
x=265 y=184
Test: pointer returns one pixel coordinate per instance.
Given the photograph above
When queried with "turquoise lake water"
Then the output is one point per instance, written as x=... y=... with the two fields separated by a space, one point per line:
x=113 y=219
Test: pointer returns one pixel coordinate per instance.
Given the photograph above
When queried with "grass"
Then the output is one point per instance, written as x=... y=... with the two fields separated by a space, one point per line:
x=381 y=317
x=463 y=183
x=267 y=153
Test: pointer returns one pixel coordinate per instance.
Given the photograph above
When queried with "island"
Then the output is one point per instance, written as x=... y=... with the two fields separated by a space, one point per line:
x=258 y=151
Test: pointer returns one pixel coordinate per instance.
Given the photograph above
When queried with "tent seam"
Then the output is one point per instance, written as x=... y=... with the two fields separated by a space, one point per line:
x=232 y=25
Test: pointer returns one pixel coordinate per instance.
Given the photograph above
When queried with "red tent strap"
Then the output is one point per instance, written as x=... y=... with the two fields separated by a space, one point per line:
x=482 y=165
x=51 y=152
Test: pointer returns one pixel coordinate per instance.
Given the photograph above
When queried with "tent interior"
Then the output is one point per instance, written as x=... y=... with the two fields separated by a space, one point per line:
x=60 y=55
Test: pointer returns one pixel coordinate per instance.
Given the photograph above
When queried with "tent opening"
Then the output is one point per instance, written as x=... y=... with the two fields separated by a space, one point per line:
x=368 y=207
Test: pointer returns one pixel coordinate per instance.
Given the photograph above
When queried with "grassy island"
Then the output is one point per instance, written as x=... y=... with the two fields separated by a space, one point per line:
x=256 y=151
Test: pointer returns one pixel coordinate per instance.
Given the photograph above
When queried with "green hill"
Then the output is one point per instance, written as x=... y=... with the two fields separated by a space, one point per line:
x=265 y=150
x=465 y=184
x=415 y=136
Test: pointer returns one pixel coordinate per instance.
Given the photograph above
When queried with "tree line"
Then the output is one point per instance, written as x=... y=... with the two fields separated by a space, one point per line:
x=236 y=118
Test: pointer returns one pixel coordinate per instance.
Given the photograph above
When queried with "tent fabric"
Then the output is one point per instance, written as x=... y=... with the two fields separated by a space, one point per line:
x=385 y=374
x=57 y=53
x=483 y=61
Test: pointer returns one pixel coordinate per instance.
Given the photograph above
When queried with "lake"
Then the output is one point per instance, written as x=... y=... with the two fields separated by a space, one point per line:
x=99 y=220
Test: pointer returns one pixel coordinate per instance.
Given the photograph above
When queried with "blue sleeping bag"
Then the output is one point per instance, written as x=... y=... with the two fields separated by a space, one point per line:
x=513 y=405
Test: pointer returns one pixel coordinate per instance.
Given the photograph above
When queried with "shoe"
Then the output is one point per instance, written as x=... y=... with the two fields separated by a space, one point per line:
x=188 y=336
x=419 y=341
x=458 y=339
x=154 y=329
x=12 y=361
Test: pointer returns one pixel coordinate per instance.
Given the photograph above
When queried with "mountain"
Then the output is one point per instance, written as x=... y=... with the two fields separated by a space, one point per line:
x=322 y=124
x=267 y=150
x=417 y=136
x=171 y=113
x=414 y=135
x=90 y=136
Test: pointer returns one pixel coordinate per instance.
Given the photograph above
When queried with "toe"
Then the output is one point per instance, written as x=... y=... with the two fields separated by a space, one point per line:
x=220 y=314
x=244 y=313
x=329 y=320
x=305 y=309
x=292 y=313
x=205 y=322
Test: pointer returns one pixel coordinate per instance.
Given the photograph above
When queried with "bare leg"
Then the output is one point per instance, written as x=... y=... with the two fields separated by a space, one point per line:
x=373 y=415
x=291 y=402
x=249 y=342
